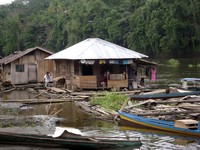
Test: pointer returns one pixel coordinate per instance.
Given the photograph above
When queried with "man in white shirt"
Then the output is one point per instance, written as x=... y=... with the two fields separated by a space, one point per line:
x=46 y=79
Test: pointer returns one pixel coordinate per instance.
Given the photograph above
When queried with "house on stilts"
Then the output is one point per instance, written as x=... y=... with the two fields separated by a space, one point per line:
x=95 y=64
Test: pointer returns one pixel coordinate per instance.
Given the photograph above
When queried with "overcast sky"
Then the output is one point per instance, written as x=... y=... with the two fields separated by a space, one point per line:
x=5 y=1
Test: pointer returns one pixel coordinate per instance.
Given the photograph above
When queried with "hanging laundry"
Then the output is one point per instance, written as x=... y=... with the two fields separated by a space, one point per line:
x=125 y=62
x=87 y=62
x=102 y=61
x=114 y=61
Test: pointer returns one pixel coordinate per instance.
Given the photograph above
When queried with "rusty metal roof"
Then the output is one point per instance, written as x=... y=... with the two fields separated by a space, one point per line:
x=19 y=54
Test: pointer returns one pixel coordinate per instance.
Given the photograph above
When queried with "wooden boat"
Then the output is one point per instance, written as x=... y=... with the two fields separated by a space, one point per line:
x=186 y=127
x=71 y=141
x=163 y=95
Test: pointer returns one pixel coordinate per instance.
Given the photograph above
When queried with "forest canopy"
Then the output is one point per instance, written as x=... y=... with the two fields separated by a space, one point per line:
x=158 y=28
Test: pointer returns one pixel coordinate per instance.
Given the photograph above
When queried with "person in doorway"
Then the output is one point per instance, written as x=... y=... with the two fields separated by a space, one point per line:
x=46 y=79
x=142 y=82
x=153 y=74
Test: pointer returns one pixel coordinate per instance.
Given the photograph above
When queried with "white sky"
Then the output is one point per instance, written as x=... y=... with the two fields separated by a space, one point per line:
x=6 y=1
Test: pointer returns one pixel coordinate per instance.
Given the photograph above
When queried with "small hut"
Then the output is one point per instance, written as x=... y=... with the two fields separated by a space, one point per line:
x=95 y=63
x=28 y=66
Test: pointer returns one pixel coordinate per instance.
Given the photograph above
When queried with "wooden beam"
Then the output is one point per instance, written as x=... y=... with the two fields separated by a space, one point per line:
x=168 y=113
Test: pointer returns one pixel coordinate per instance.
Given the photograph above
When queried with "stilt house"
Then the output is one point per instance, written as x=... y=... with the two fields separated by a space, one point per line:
x=95 y=63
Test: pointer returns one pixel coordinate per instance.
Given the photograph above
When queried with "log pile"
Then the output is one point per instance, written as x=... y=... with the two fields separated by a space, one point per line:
x=170 y=109
x=96 y=111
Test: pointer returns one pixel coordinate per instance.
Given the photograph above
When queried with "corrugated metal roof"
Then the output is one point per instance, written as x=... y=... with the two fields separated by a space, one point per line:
x=144 y=62
x=95 y=48
x=19 y=54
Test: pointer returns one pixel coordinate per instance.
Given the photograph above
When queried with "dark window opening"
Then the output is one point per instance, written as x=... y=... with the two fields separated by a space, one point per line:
x=106 y=68
x=87 y=70
x=20 y=68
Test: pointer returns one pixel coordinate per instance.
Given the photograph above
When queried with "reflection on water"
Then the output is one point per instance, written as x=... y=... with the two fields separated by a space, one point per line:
x=155 y=139
x=74 y=117
x=188 y=68
x=16 y=95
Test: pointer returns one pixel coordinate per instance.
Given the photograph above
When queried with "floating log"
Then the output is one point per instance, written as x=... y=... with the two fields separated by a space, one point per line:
x=168 y=113
x=36 y=101
x=57 y=90
x=176 y=101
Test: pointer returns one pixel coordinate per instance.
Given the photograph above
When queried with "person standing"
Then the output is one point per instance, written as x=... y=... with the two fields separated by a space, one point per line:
x=153 y=74
x=46 y=79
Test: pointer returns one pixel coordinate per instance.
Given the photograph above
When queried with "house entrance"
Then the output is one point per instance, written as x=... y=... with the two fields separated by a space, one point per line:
x=32 y=73
x=87 y=70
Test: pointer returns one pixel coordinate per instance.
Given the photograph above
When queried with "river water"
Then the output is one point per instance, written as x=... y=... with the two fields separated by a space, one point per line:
x=74 y=117
x=187 y=68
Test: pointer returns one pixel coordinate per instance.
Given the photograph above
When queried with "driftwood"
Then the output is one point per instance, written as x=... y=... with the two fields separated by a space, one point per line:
x=193 y=99
x=96 y=111
x=42 y=93
x=188 y=106
x=176 y=101
x=57 y=90
x=168 y=113
x=138 y=104
x=36 y=101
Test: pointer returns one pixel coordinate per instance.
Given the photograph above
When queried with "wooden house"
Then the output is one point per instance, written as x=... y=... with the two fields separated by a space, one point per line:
x=95 y=63
x=28 y=66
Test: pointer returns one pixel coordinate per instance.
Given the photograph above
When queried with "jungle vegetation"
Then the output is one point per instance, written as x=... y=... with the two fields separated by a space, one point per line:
x=158 y=28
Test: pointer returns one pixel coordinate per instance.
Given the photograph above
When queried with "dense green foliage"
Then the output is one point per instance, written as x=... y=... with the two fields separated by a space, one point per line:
x=109 y=100
x=153 y=27
x=173 y=63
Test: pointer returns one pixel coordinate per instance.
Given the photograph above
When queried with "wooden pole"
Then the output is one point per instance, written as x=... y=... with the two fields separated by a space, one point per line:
x=125 y=103
x=42 y=92
x=168 y=113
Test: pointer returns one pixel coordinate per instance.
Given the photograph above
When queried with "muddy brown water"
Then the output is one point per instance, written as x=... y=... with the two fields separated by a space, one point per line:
x=71 y=116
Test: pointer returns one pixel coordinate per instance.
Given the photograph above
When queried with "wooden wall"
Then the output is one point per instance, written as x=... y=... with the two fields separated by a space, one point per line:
x=35 y=67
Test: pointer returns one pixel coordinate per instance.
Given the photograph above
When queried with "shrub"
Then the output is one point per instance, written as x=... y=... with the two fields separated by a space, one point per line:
x=173 y=63
x=109 y=100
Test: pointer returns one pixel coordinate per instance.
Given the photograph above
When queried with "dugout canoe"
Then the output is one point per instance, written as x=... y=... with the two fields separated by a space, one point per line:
x=70 y=141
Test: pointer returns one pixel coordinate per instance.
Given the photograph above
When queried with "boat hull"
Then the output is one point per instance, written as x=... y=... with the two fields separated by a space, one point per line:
x=70 y=142
x=163 y=95
x=157 y=124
